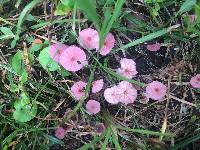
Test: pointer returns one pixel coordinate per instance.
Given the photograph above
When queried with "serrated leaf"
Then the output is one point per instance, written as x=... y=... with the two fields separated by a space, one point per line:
x=187 y=6
x=46 y=61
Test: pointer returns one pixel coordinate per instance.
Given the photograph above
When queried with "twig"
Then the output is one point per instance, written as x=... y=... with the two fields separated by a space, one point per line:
x=164 y=126
x=45 y=38
x=182 y=101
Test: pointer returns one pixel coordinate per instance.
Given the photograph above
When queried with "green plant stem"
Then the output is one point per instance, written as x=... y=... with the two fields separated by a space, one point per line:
x=142 y=131
x=72 y=113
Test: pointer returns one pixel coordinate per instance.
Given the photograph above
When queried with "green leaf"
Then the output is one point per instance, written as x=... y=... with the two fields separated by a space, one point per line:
x=46 y=61
x=22 y=17
x=187 y=6
x=4 y=37
x=25 y=100
x=24 y=77
x=8 y=34
x=64 y=72
x=17 y=63
x=108 y=23
x=69 y=3
x=93 y=142
x=14 y=88
x=31 y=18
x=62 y=9
x=18 y=3
x=89 y=7
x=35 y=48
x=148 y=132
x=197 y=12
x=24 y=113
x=186 y=142
x=115 y=141
x=7 y=31
x=108 y=135
x=149 y=37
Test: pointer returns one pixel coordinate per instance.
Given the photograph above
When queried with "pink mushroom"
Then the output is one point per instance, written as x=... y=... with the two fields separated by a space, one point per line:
x=156 y=90
x=73 y=59
x=93 y=107
x=56 y=50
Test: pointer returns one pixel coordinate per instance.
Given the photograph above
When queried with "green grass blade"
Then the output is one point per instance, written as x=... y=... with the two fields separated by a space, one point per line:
x=148 y=132
x=109 y=71
x=9 y=138
x=148 y=37
x=186 y=142
x=94 y=141
x=108 y=25
x=108 y=135
x=87 y=89
x=23 y=15
x=187 y=6
x=115 y=141
x=89 y=7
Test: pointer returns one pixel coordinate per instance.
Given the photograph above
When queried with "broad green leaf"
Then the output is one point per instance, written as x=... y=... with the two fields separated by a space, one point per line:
x=46 y=61
x=24 y=113
x=14 y=88
x=31 y=18
x=89 y=7
x=24 y=98
x=64 y=72
x=24 y=77
x=17 y=63
x=35 y=48
x=69 y=3
x=187 y=6
x=62 y=9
